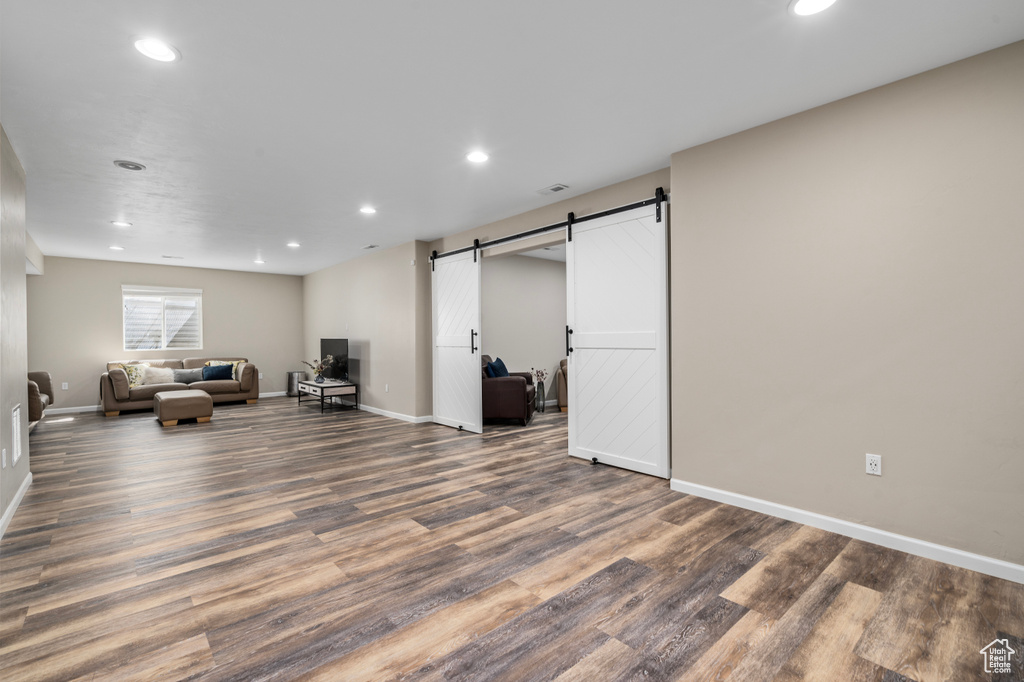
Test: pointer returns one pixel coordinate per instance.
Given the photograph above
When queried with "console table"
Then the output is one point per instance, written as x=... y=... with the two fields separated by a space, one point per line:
x=327 y=391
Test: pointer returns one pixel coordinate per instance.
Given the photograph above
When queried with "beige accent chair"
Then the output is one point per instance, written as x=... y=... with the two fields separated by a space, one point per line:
x=562 y=376
x=118 y=395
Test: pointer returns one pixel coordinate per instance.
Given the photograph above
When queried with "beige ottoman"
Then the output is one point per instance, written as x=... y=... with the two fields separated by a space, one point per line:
x=170 y=406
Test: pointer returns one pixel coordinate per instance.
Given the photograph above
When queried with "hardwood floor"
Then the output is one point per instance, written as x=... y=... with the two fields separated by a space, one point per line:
x=276 y=542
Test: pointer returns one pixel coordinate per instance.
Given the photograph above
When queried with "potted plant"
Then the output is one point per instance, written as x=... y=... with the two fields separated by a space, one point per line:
x=318 y=367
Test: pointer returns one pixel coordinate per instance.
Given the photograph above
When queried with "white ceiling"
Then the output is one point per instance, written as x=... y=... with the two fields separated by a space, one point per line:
x=284 y=117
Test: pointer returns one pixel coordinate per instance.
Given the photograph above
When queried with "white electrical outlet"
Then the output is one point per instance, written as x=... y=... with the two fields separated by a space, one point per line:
x=385 y=388
x=64 y=386
x=873 y=464
x=5 y=458
x=261 y=375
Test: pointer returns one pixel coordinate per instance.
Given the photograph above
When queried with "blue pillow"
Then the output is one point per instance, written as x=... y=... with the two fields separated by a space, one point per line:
x=488 y=370
x=217 y=372
x=497 y=368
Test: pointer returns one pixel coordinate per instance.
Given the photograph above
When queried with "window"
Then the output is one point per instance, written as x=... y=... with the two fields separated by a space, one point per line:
x=159 y=318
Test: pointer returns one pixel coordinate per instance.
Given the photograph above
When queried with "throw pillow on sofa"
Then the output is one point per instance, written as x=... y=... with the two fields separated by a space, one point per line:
x=217 y=372
x=158 y=375
x=188 y=376
x=234 y=366
x=497 y=368
x=136 y=373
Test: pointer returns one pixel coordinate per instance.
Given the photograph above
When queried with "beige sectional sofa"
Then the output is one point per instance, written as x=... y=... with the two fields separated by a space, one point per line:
x=116 y=394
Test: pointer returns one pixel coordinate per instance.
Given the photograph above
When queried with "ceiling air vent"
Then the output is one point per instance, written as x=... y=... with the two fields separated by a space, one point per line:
x=174 y=257
x=370 y=246
x=553 y=189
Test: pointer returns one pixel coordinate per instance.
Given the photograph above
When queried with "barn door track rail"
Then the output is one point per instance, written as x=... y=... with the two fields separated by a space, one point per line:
x=571 y=219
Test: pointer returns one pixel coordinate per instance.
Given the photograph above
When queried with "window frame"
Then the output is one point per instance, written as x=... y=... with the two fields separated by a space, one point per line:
x=164 y=294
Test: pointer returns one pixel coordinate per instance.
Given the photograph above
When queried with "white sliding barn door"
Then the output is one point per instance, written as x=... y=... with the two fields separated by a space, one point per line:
x=455 y=289
x=617 y=288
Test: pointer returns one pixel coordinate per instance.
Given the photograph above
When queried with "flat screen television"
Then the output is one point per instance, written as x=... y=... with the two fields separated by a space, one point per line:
x=338 y=348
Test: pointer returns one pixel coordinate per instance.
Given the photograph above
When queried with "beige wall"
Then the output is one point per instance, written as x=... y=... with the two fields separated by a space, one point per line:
x=376 y=303
x=523 y=311
x=424 y=366
x=849 y=280
x=75 y=320
x=13 y=365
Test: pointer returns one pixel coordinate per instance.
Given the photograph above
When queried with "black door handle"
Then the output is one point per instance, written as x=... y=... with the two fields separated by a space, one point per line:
x=472 y=341
x=568 y=344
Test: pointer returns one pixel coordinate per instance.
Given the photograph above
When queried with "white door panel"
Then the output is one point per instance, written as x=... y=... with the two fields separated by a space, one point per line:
x=455 y=290
x=618 y=368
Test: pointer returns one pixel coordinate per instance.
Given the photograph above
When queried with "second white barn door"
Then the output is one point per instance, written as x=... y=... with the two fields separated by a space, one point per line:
x=455 y=288
x=617 y=288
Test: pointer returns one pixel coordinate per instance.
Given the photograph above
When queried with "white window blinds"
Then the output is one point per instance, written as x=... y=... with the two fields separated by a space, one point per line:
x=158 y=318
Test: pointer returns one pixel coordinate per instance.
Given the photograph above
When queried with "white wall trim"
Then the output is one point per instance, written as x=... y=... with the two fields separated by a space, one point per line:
x=71 y=410
x=929 y=550
x=274 y=394
x=396 y=415
x=13 y=507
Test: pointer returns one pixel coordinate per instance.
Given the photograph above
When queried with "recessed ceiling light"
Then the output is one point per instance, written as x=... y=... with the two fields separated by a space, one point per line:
x=477 y=156
x=120 y=223
x=804 y=8
x=259 y=262
x=117 y=248
x=368 y=210
x=129 y=165
x=154 y=48
x=294 y=245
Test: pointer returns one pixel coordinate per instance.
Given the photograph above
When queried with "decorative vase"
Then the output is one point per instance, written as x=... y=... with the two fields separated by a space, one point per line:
x=319 y=378
x=540 y=396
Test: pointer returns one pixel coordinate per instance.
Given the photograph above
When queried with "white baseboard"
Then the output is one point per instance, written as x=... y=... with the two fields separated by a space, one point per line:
x=72 y=410
x=396 y=415
x=550 y=403
x=929 y=550
x=9 y=514
x=274 y=394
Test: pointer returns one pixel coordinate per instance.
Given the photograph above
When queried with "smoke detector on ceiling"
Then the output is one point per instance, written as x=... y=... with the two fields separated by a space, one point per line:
x=129 y=165
x=553 y=189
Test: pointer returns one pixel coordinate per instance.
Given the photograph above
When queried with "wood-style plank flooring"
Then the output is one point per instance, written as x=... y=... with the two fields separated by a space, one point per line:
x=278 y=543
